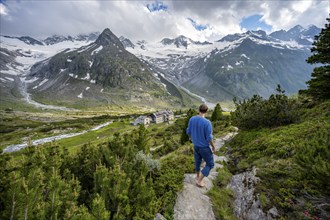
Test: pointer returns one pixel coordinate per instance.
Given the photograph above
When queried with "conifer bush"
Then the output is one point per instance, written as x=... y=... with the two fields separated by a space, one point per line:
x=184 y=137
x=292 y=161
x=217 y=113
x=257 y=112
x=117 y=179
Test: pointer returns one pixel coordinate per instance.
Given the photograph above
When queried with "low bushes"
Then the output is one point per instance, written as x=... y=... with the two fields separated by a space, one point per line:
x=257 y=112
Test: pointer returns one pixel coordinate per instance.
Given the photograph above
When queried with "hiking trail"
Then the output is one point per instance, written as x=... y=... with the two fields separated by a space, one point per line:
x=192 y=201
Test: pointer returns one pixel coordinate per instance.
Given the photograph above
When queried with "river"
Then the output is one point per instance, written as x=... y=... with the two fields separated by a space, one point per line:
x=17 y=147
x=211 y=105
x=28 y=99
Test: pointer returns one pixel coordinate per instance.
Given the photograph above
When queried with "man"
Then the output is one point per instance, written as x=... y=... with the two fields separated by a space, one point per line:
x=200 y=131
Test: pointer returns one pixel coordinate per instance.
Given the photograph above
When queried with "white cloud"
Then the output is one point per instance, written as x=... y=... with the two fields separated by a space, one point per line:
x=286 y=14
x=301 y=6
x=3 y=10
x=132 y=19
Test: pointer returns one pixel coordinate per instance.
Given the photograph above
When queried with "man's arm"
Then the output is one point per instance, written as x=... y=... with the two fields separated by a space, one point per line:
x=210 y=136
x=212 y=145
x=188 y=130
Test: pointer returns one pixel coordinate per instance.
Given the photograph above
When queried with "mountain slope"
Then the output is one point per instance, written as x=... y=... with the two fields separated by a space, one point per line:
x=17 y=55
x=238 y=65
x=250 y=68
x=55 y=39
x=126 y=42
x=298 y=33
x=101 y=73
x=182 y=41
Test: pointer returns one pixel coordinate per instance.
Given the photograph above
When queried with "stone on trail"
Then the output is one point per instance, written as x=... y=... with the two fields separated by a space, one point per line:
x=192 y=203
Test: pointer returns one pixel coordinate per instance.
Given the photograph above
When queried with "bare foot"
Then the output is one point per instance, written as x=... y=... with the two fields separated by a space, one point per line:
x=200 y=183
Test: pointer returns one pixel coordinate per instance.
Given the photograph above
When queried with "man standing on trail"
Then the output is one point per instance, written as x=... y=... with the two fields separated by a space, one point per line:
x=200 y=131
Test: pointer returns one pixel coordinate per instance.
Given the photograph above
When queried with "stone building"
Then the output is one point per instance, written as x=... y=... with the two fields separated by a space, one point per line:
x=162 y=116
x=141 y=120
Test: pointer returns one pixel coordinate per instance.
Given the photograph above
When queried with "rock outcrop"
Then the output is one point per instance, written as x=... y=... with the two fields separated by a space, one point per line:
x=246 y=203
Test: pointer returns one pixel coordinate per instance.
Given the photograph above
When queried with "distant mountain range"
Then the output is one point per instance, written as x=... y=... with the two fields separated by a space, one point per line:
x=298 y=33
x=101 y=69
x=56 y=39
x=182 y=41
x=100 y=73
x=237 y=65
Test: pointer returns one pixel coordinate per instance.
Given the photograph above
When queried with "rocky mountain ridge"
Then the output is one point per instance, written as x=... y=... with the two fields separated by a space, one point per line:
x=238 y=65
x=297 y=33
x=182 y=41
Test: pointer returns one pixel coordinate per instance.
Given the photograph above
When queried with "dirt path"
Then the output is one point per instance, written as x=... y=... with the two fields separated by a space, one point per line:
x=192 y=201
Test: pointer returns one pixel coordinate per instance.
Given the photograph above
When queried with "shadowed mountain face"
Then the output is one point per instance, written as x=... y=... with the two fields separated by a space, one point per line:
x=248 y=69
x=238 y=65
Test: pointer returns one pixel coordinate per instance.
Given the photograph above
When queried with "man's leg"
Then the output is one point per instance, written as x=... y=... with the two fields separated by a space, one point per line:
x=207 y=155
x=198 y=162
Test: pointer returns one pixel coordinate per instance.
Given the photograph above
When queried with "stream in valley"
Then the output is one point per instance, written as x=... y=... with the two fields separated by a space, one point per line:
x=17 y=147
x=28 y=99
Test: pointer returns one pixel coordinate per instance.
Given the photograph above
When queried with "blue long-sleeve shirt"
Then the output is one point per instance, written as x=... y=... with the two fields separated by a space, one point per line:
x=200 y=131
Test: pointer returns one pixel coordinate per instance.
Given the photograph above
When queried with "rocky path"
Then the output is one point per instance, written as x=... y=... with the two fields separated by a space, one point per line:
x=192 y=201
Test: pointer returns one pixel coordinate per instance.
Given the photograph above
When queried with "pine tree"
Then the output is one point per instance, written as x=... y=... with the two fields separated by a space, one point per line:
x=319 y=85
x=184 y=137
x=256 y=112
x=113 y=186
x=83 y=166
x=142 y=195
x=141 y=140
x=99 y=210
x=217 y=113
x=81 y=213
x=31 y=191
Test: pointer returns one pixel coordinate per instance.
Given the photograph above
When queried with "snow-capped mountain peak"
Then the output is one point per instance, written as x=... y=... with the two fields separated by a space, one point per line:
x=107 y=38
x=126 y=42
x=299 y=34
x=55 y=39
x=182 y=42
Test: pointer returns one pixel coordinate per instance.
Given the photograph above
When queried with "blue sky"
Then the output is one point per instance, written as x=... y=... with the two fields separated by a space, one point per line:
x=157 y=6
x=153 y=20
x=254 y=22
x=199 y=27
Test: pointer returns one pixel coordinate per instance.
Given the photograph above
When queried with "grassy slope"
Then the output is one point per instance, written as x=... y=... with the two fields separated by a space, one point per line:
x=18 y=128
x=273 y=151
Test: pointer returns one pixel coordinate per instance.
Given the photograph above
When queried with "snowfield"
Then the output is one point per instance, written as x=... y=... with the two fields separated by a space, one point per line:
x=31 y=54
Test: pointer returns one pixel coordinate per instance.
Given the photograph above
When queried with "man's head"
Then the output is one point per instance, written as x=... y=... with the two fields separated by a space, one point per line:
x=203 y=108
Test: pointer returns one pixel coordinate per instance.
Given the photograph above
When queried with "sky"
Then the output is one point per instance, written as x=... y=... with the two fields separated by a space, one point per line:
x=202 y=20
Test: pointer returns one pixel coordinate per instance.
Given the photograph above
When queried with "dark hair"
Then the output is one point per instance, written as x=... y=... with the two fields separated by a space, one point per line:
x=203 y=108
